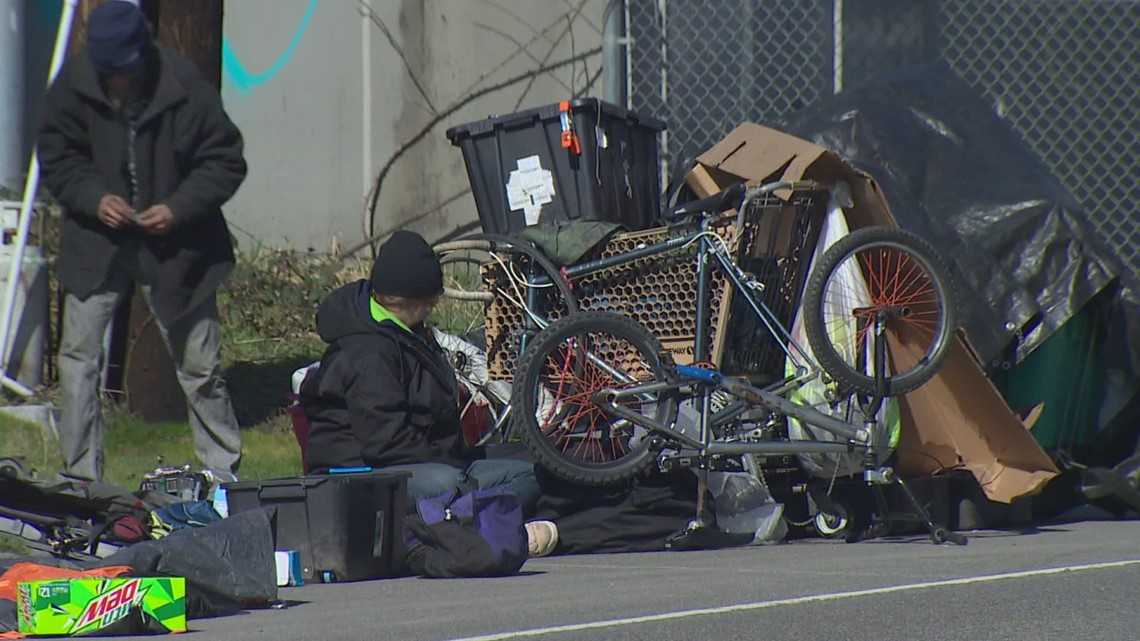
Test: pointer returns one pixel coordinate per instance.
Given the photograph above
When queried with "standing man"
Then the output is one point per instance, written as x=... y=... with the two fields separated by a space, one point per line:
x=135 y=145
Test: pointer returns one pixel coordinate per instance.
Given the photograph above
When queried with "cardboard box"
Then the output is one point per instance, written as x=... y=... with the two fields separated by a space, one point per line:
x=97 y=607
x=958 y=418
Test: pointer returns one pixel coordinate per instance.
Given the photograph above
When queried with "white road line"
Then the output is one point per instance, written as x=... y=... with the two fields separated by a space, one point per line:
x=814 y=598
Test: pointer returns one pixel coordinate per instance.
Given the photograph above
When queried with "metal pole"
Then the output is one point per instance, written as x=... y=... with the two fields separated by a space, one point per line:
x=837 y=54
x=30 y=186
x=613 y=67
x=628 y=38
x=12 y=87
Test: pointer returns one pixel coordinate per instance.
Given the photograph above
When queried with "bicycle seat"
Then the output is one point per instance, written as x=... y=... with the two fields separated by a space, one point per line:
x=729 y=198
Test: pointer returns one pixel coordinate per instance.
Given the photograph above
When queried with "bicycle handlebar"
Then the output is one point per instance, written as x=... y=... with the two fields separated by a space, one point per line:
x=729 y=198
x=736 y=195
x=793 y=185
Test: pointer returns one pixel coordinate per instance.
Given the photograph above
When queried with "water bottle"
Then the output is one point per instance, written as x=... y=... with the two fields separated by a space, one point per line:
x=221 y=504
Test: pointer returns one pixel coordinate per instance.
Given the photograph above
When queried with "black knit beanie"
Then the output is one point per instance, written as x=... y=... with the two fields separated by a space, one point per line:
x=406 y=266
x=117 y=37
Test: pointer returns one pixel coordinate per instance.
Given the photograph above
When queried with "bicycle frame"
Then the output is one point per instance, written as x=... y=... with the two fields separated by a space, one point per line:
x=752 y=396
x=710 y=255
x=699 y=383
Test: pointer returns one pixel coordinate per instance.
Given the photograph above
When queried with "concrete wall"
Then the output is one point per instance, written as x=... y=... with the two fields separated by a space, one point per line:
x=329 y=92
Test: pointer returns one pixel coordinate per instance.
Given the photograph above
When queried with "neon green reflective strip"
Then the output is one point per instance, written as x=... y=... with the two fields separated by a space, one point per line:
x=380 y=314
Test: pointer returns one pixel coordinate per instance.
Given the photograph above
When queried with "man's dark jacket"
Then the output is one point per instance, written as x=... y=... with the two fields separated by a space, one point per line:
x=188 y=157
x=381 y=396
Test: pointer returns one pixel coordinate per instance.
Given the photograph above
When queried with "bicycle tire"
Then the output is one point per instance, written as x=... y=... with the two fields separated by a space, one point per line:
x=941 y=296
x=501 y=242
x=550 y=445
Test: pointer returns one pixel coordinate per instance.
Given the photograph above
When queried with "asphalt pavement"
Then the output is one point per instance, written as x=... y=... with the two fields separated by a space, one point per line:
x=1064 y=581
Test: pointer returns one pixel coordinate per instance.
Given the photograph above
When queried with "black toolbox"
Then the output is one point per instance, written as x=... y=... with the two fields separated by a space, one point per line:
x=346 y=527
x=522 y=174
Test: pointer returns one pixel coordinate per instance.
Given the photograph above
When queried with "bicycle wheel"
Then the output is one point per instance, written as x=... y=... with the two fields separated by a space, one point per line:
x=462 y=308
x=564 y=367
x=491 y=279
x=511 y=261
x=874 y=271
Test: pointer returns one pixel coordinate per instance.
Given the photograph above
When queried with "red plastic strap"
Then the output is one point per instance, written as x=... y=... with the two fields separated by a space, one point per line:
x=566 y=277
x=569 y=138
x=570 y=141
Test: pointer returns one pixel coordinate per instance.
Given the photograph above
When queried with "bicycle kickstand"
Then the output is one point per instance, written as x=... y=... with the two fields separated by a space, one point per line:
x=938 y=533
x=879 y=476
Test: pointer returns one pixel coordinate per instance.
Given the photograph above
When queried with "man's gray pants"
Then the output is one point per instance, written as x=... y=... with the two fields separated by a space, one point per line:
x=195 y=345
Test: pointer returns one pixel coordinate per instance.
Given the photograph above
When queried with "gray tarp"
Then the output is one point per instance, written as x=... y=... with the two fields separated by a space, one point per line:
x=1023 y=251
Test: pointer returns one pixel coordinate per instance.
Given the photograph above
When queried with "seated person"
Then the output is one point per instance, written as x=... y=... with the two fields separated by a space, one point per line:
x=385 y=396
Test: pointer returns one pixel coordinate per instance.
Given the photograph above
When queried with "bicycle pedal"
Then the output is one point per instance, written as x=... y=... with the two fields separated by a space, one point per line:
x=881 y=476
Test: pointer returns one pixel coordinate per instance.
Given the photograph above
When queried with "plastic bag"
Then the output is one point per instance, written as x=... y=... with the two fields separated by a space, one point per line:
x=744 y=506
x=813 y=393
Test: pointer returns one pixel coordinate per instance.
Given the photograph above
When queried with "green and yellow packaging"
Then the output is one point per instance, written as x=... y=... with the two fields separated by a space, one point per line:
x=94 y=606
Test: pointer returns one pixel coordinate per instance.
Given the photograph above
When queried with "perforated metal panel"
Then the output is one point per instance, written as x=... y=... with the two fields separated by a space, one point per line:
x=659 y=292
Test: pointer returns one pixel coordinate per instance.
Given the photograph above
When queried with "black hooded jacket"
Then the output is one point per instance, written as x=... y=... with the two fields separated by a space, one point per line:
x=381 y=396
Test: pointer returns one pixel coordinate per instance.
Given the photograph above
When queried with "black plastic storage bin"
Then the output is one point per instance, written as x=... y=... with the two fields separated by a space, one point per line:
x=346 y=527
x=613 y=176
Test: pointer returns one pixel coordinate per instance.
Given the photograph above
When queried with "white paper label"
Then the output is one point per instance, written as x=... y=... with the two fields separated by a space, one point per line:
x=529 y=188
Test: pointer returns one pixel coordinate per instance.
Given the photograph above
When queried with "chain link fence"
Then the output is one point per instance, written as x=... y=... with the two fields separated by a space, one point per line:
x=1065 y=73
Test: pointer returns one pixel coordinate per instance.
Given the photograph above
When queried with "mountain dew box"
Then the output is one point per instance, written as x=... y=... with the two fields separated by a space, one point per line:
x=102 y=607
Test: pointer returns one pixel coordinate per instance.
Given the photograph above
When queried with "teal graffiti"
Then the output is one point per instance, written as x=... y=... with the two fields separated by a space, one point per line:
x=241 y=77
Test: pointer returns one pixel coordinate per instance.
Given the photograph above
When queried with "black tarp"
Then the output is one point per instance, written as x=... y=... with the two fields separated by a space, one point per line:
x=227 y=565
x=1023 y=251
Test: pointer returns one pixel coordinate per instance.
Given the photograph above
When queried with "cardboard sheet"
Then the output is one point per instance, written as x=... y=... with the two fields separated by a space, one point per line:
x=958 y=419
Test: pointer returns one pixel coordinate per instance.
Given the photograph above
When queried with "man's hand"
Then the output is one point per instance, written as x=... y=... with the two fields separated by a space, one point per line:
x=114 y=211
x=156 y=220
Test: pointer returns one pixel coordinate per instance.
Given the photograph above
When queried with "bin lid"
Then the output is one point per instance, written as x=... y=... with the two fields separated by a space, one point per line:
x=551 y=112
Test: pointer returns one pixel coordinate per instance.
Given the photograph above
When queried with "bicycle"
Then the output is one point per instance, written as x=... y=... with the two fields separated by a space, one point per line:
x=464 y=262
x=596 y=395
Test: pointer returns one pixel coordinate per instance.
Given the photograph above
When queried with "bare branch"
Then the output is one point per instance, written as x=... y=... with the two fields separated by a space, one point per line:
x=374 y=194
x=569 y=17
x=585 y=17
x=418 y=217
x=530 y=55
x=590 y=83
x=514 y=15
x=465 y=96
x=399 y=52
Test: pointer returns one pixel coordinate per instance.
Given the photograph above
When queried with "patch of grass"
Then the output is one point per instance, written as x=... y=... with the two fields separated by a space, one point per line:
x=133 y=448
x=459 y=316
x=267 y=310
x=259 y=372
x=269 y=451
x=38 y=452
x=13 y=544
x=268 y=316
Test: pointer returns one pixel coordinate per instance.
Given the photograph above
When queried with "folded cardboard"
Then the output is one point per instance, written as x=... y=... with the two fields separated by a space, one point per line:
x=958 y=419
x=101 y=607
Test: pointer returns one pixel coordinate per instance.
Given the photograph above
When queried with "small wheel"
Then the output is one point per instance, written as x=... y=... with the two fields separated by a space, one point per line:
x=833 y=526
x=12 y=468
x=562 y=370
x=888 y=274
